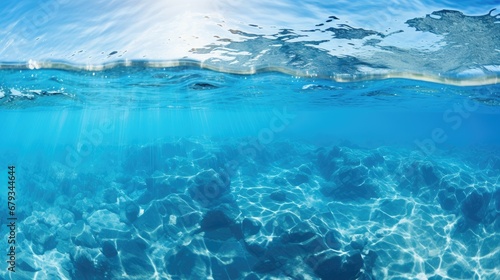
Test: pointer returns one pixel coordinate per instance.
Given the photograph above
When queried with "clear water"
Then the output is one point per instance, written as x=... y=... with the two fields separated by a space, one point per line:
x=235 y=140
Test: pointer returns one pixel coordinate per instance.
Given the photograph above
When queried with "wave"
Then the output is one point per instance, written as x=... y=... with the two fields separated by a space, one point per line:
x=189 y=84
x=445 y=46
x=470 y=80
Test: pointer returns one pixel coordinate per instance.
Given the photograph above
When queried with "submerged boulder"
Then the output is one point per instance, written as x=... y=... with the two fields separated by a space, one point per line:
x=328 y=266
x=87 y=264
x=131 y=210
x=209 y=186
x=417 y=177
x=327 y=161
x=350 y=183
x=475 y=206
x=279 y=196
x=333 y=239
x=447 y=200
x=374 y=159
x=137 y=267
x=108 y=249
x=296 y=179
x=250 y=226
x=215 y=219
x=186 y=263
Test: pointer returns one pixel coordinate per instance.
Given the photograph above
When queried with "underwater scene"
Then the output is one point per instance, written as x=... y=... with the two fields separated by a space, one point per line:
x=250 y=140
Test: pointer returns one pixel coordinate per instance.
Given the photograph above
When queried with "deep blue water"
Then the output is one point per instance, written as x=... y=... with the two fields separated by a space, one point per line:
x=324 y=143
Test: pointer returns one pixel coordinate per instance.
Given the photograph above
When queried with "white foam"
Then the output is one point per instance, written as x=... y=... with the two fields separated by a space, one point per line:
x=17 y=93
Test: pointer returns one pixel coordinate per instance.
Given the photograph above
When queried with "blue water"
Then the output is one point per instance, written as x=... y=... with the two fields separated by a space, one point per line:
x=231 y=140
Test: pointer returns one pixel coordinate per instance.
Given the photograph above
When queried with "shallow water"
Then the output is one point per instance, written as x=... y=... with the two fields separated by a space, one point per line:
x=287 y=147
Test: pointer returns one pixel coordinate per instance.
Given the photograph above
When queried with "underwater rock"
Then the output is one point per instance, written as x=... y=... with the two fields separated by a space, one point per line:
x=496 y=199
x=311 y=246
x=255 y=249
x=145 y=198
x=461 y=225
x=235 y=269
x=88 y=265
x=369 y=260
x=328 y=189
x=217 y=225
x=209 y=161
x=250 y=227
x=159 y=188
x=136 y=246
x=83 y=264
x=218 y=240
x=131 y=211
x=108 y=249
x=150 y=220
x=268 y=264
x=298 y=234
x=106 y=221
x=460 y=194
x=297 y=179
x=25 y=269
x=305 y=169
x=198 y=153
x=374 y=159
x=43 y=238
x=326 y=266
x=429 y=174
x=137 y=266
x=215 y=219
x=233 y=231
x=150 y=182
x=82 y=207
x=351 y=175
x=185 y=264
x=282 y=223
x=351 y=159
x=352 y=265
x=134 y=257
x=475 y=205
x=110 y=196
x=329 y=265
x=209 y=186
x=419 y=174
x=136 y=183
x=278 y=181
x=170 y=150
x=296 y=237
x=327 y=161
x=26 y=262
x=252 y=276
x=179 y=215
x=447 y=200
x=279 y=196
x=350 y=183
x=332 y=239
x=283 y=251
x=85 y=238
x=358 y=242
x=458 y=272
x=395 y=207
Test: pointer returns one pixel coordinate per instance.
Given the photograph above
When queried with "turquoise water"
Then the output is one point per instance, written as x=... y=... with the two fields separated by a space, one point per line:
x=231 y=140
